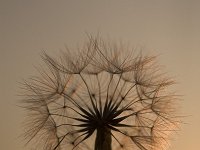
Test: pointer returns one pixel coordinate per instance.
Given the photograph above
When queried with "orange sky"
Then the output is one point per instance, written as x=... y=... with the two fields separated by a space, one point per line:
x=170 y=28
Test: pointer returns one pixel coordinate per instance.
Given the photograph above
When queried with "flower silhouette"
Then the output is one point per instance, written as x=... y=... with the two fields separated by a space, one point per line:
x=101 y=97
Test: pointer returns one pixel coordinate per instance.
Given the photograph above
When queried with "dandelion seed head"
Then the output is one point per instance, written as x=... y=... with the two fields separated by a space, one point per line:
x=103 y=96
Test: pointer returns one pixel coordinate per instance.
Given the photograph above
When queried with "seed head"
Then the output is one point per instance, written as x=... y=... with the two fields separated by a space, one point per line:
x=103 y=96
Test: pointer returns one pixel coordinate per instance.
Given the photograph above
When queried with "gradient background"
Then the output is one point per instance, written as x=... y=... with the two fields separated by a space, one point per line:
x=170 y=28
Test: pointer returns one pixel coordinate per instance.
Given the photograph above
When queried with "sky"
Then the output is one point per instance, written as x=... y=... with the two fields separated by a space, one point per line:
x=169 y=28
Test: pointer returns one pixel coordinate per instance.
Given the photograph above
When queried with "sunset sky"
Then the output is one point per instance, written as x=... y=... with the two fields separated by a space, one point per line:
x=168 y=28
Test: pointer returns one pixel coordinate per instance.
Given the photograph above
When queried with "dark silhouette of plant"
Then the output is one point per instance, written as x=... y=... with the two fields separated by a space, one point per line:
x=103 y=96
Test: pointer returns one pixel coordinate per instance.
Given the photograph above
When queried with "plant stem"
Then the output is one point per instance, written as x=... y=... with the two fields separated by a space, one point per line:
x=103 y=139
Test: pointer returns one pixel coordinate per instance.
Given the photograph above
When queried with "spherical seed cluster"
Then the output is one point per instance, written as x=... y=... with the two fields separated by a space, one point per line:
x=103 y=96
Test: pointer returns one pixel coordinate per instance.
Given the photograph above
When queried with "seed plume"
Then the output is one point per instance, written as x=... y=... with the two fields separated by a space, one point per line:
x=104 y=96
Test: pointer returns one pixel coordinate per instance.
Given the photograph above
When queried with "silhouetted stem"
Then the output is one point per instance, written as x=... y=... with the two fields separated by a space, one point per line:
x=103 y=139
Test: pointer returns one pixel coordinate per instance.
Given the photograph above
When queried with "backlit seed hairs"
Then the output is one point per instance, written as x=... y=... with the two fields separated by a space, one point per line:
x=103 y=96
